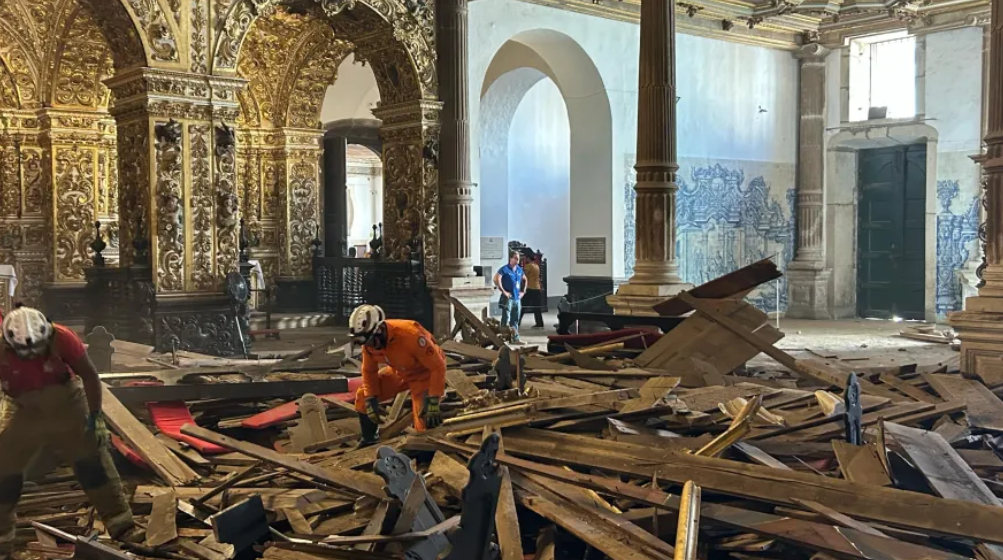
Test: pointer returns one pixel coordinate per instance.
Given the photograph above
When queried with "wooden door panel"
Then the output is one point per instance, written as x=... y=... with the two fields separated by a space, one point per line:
x=891 y=239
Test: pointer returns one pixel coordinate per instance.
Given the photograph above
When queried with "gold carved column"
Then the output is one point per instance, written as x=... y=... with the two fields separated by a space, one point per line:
x=279 y=175
x=24 y=236
x=410 y=134
x=79 y=157
x=178 y=171
x=298 y=190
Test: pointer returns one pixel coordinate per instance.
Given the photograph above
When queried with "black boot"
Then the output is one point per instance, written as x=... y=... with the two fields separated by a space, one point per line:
x=370 y=431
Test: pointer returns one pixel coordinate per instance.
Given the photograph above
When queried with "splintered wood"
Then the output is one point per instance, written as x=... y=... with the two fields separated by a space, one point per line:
x=596 y=437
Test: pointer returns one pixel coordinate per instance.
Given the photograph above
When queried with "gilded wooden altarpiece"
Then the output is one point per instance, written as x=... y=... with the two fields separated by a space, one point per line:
x=215 y=117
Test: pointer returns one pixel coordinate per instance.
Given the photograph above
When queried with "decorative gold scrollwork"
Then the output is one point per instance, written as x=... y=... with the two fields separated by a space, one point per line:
x=170 y=207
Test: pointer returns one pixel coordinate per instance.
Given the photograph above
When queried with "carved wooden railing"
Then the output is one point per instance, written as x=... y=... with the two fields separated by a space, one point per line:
x=343 y=283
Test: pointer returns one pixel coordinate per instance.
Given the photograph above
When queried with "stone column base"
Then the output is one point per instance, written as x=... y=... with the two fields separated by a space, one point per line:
x=471 y=292
x=807 y=293
x=980 y=328
x=639 y=299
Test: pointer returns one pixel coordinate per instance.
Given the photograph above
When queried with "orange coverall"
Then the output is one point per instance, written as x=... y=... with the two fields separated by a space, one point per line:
x=413 y=362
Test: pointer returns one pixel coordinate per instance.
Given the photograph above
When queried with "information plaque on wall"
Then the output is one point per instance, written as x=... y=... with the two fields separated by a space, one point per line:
x=492 y=248
x=590 y=250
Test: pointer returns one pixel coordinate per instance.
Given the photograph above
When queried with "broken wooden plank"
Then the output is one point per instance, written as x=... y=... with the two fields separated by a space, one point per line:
x=846 y=543
x=733 y=285
x=161 y=459
x=984 y=409
x=460 y=383
x=860 y=463
x=886 y=505
x=162 y=526
x=361 y=483
x=507 y=521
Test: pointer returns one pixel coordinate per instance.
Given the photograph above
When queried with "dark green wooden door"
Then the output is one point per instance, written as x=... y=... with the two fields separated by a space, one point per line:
x=892 y=231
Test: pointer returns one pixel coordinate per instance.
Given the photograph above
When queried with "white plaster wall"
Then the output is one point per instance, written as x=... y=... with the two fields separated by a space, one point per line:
x=353 y=95
x=539 y=193
x=722 y=87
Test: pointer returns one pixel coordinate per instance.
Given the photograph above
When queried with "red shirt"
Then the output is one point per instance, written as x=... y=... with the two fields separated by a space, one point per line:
x=18 y=376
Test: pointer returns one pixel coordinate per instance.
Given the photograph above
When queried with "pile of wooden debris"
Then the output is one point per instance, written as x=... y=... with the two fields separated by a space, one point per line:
x=632 y=445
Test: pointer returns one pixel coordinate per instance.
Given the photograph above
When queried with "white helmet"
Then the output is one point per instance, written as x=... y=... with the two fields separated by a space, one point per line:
x=364 y=322
x=27 y=331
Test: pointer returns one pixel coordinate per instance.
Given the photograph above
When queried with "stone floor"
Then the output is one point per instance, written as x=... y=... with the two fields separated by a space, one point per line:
x=862 y=341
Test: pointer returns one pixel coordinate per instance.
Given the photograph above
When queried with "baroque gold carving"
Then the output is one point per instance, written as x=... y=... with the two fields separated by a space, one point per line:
x=85 y=61
x=199 y=38
x=228 y=204
x=34 y=181
x=74 y=211
x=10 y=195
x=8 y=89
x=163 y=45
x=170 y=208
x=119 y=31
x=303 y=218
x=201 y=209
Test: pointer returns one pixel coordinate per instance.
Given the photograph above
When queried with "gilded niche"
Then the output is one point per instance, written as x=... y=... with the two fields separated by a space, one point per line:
x=74 y=210
x=170 y=208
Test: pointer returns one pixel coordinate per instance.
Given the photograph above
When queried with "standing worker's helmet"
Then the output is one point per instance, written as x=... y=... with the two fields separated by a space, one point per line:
x=364 y=322
x=27 y=332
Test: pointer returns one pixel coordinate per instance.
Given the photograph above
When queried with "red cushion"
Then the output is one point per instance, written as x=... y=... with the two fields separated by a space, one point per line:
x=168 y=417
x=127 y=452
x=289 y=410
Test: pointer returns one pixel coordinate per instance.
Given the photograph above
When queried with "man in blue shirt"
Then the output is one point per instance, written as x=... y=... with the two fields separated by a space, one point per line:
x=511 y=280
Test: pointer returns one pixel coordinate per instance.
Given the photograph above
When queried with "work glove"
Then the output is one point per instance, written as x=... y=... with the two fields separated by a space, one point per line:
x=431 y=413
x=374 y=411
x=97 y=428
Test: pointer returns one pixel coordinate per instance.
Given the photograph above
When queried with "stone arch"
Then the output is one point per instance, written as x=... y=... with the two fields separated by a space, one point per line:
x=841 y=191
x=520 y=63
x=135 y=39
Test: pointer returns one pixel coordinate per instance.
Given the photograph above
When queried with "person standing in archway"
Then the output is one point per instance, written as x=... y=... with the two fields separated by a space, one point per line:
x=533 y=300
x=511 y=280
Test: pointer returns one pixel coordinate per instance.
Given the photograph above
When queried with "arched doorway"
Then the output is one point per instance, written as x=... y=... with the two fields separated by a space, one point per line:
x=546 y=153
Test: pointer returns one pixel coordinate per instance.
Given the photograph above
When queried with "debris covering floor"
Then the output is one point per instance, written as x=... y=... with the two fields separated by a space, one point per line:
x=763 y=436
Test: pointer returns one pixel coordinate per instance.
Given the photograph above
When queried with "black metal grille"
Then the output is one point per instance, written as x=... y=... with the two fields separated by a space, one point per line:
x=398 y=287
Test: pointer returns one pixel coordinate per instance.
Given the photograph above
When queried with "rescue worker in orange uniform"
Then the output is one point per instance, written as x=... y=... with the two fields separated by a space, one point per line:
x=413 y=362
x=45 y=371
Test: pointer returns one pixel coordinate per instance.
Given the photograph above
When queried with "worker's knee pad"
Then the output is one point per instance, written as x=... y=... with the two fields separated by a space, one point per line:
x=10 y=488
x=90 y=472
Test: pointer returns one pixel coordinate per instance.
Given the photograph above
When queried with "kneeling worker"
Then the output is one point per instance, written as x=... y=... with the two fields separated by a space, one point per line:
x=45 y=371
x=413 y=362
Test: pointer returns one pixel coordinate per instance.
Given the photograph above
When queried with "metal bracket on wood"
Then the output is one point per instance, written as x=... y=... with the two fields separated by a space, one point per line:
x=854 y=411
x=480 y=499
x=395 y=469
